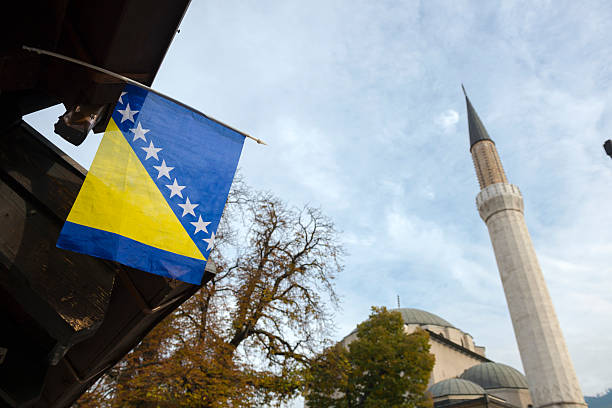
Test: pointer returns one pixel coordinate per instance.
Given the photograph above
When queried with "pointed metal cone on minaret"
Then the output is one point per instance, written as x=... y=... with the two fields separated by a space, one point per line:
x=477 y=130
x=486 y=160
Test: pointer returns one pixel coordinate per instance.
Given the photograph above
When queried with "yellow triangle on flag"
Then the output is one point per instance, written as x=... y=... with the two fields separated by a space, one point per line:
x=119 y=196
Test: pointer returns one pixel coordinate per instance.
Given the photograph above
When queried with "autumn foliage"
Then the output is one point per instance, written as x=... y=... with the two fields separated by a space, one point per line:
x=382 y=367
x=246 y=337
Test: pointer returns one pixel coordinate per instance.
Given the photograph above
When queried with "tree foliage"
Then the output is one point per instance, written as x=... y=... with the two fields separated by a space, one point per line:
x=244 y=338
x=382 y=367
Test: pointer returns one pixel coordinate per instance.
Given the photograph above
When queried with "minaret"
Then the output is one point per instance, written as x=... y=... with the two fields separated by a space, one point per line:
x=548 y=367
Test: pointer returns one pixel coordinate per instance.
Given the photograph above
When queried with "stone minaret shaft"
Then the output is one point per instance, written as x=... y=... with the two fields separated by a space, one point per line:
x=548 y=367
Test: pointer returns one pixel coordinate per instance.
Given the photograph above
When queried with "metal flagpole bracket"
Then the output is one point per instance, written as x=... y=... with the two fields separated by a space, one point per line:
x=131 y=81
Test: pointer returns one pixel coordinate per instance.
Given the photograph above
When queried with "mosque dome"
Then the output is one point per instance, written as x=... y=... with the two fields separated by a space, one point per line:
x=417 y=316
x=455 y=386
x=495 y=375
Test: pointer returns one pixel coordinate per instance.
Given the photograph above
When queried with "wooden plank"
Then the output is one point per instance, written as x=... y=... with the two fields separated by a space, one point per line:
x=46 y=280
x=39 y=170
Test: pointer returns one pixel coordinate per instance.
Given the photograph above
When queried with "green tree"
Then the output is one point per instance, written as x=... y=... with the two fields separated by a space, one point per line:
x=245 y=337
x=382 y=367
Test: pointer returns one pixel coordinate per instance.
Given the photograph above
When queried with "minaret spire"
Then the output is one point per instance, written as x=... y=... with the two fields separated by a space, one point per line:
x=484 y=154
x=546 y=360
x=477 y=130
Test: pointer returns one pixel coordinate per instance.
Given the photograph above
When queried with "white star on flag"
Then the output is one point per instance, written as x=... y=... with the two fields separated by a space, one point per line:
x=151 y=151
x=188 y=208
x=200 y=225
x=127 y=113
x=210 y=241
x=121 y=97
x=163 y=170
x=175 y=189
x=139 y=132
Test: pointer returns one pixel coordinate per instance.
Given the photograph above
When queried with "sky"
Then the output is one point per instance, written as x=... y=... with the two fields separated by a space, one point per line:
x=360 y=104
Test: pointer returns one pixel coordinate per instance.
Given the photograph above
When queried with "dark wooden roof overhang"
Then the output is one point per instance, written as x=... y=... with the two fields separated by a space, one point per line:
x=129 y=37
x=65 y=318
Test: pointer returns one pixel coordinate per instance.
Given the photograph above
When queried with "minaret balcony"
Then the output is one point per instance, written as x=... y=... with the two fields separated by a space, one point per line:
x=498 y=197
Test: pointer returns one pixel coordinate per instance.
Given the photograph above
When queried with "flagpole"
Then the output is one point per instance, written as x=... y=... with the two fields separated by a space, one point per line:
x=131 y=81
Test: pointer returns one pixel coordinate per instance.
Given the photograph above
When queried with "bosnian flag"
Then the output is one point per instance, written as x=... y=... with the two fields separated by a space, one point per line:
x=155 y=192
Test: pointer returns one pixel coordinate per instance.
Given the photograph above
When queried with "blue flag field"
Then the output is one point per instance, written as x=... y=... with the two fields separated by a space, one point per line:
x=156 y=189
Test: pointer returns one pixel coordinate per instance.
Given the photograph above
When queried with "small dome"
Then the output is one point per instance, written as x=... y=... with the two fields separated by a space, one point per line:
x=417 y=316
x=495 y=375
x=455 y=386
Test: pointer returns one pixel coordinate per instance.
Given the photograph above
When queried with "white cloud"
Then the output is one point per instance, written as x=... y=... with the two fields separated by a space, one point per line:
x=447 y=120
